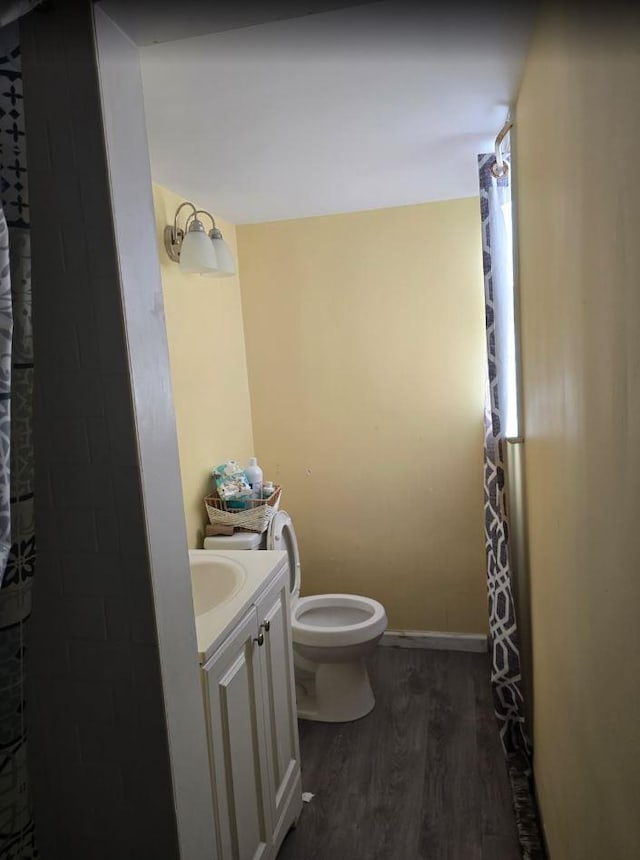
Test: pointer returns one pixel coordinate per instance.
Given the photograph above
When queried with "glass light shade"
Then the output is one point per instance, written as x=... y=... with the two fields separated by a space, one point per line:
x=197 y=253
x=226 y=263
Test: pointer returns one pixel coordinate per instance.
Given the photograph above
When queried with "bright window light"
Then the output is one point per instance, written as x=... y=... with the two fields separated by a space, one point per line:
x=510 y=408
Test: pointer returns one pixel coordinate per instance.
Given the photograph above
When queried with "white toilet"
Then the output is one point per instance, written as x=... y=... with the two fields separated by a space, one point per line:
x=332 y=634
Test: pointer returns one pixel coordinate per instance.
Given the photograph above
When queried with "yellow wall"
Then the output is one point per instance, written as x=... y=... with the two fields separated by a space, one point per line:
x=578 y=126
x=365 y=345
x=208 y=368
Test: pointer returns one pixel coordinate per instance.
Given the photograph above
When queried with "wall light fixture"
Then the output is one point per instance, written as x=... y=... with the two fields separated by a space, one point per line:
x=196 y=250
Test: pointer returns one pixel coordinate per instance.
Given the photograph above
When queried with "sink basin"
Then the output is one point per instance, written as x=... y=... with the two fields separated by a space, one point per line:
x=214 y=580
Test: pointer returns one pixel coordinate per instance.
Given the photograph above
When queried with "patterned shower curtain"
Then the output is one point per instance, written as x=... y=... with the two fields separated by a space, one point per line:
x=506 y=679
x=16 y=456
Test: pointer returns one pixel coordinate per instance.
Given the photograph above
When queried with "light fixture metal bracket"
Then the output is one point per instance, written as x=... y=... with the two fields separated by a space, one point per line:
x=173 y=242
x=174 y=235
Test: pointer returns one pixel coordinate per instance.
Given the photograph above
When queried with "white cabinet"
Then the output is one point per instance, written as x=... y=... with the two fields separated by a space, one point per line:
x=253 y=733
x=279 y=702
x=237 y=745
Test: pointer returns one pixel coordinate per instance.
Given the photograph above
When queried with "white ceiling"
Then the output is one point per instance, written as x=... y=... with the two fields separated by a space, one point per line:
x=149 y=22
x=371 y=106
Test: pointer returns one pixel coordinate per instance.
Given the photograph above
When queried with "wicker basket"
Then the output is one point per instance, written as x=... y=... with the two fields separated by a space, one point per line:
x=255 y=518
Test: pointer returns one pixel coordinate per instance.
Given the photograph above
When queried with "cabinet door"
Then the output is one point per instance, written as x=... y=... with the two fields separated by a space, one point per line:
x=237 y=745
x=279 y=696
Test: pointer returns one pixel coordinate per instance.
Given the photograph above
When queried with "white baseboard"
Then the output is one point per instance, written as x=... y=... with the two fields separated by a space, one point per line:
x=435 y=640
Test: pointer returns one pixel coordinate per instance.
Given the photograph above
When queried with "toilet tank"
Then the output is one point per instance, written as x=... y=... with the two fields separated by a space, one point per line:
x=238 y=540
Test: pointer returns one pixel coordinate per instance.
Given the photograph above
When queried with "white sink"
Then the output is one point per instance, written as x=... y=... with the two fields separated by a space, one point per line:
x=224 y=582
x=215 y=580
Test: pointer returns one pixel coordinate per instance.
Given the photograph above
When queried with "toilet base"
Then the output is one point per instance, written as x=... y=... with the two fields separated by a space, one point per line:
x=335 y=692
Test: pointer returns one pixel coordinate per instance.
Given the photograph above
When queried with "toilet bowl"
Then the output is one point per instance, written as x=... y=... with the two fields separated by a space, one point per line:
x=333 y=634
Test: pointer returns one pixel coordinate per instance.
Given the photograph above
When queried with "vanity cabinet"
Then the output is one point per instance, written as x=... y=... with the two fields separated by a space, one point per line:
x=279 y=702
x=253 y=733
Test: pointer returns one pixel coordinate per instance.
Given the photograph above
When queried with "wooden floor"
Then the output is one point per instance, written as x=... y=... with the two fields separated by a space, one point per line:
x=421 y=777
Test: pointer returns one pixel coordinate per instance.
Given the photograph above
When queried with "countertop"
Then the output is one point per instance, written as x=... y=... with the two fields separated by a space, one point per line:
x=214 y=625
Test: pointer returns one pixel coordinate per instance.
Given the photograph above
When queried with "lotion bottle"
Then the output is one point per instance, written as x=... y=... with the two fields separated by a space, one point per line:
x=254 y=476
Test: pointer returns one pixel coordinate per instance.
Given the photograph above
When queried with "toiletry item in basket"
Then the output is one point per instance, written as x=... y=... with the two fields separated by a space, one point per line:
x=254 y=476
x=267 y=489
x=232 y=485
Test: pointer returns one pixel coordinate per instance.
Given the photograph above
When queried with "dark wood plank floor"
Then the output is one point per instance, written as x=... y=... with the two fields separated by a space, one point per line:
x=421 y=778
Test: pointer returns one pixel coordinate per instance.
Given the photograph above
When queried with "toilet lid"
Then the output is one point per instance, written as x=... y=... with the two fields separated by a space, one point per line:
x=281 y=535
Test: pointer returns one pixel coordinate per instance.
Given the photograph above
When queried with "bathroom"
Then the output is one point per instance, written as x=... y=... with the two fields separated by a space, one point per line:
x=322 y=355
x=348 y=352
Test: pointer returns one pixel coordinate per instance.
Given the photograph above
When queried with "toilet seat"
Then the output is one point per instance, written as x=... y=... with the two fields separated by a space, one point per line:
x=337 y=620
x=281 y=535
